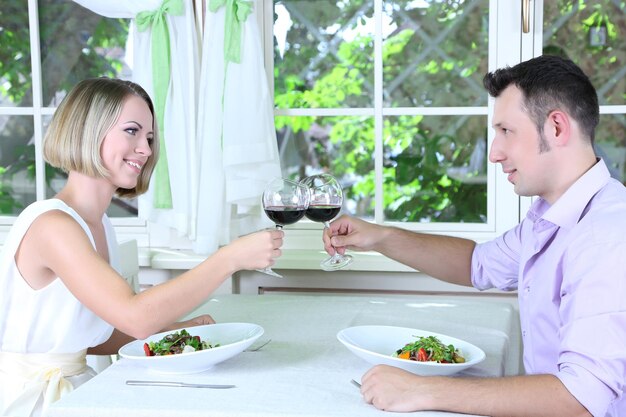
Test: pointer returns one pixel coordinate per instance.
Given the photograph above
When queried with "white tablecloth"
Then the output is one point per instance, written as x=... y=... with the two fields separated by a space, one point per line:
x=305 y=370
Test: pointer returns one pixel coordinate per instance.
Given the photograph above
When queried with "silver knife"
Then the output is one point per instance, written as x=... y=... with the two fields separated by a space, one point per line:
x=177 y=384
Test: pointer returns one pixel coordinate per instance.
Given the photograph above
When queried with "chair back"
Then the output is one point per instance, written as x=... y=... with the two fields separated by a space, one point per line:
x=129 y=263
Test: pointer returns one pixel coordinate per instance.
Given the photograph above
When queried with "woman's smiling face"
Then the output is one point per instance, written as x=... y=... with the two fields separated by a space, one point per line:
x=127 y=146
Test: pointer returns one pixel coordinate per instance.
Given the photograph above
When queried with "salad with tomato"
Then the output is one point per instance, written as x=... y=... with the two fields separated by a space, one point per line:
x=429 y=349
x=175 y=343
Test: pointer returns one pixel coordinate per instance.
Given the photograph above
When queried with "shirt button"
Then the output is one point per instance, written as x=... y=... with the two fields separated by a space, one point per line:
x=523 y=333
x=527 y=290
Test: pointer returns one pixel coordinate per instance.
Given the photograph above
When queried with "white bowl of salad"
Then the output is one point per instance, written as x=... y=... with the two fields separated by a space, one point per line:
x=418 y=351
x=193 y=349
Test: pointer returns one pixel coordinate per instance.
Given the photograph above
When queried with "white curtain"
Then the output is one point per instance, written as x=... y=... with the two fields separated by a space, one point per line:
x=218 y=125
x=179 y=124
x=236 y=136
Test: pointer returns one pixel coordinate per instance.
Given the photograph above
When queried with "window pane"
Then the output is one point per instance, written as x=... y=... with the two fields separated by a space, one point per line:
x=341 y=146
x=435 y=52
x=323 y=53
x=611 y=143
x=15 y=69
x=591 y=33
x=435 y=169
x=17 y=164
x=77 y=44
x=121 y=207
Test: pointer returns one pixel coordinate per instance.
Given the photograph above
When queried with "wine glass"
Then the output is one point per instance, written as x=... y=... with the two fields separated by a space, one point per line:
x=284 y=202
x=325 y=203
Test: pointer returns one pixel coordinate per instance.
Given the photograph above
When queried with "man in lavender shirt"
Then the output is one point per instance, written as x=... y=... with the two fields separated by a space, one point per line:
x=566 y=259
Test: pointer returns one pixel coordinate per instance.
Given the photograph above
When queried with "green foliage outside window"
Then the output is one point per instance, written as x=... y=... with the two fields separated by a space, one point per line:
x=75 y=44
x=435 y=56
x=417 y=153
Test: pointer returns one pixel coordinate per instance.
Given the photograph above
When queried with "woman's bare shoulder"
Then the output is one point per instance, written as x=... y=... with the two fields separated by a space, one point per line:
x=55 y=227
x=53 y=238
x=55 y=218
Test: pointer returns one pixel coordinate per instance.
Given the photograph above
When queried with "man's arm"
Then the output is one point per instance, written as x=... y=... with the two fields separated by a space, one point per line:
x=392 y=389
x=443 y=257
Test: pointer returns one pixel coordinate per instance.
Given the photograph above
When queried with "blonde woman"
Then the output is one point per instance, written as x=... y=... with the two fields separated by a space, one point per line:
x=59 y=296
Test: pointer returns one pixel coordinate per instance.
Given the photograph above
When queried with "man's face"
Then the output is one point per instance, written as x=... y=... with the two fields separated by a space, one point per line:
x=516 y=145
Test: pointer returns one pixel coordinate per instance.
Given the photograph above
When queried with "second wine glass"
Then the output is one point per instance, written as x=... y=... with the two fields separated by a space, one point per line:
x=284 y=202
x=326 y=199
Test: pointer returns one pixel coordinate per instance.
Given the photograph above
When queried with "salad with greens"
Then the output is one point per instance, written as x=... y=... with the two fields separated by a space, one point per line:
x=429 y=349
x=175 y=343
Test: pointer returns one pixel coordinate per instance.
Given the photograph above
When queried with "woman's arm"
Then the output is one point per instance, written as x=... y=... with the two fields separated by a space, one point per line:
x=63 y=249
x=119 y=339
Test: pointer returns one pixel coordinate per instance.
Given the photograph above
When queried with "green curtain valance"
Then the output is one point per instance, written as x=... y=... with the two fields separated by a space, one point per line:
x=237 y=11
x=161 y=61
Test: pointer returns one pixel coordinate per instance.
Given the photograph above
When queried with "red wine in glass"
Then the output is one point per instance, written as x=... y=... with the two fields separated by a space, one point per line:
x=284 y=202
x=322 y=213
x=284 y=215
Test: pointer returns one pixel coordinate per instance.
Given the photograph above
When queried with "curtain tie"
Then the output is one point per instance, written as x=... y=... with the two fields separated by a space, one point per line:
x=237 y=11
x=161 y=61
x=156 y=17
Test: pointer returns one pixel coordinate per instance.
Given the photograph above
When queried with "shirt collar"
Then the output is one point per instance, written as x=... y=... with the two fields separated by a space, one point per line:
x=568 y=209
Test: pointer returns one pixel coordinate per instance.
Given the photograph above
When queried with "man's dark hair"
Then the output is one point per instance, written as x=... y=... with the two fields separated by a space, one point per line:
x=548 y=83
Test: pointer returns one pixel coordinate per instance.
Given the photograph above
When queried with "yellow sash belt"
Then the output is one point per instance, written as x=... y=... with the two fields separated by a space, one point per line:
x=39 y=374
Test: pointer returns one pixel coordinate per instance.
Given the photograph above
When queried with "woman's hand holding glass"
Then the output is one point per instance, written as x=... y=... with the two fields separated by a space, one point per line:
x=284 y=202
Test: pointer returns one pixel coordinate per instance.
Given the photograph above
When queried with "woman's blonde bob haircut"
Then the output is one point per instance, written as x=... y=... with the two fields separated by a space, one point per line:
x=80 y=124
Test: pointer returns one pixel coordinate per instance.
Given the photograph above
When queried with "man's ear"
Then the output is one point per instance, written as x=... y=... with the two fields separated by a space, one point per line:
x=558 y=127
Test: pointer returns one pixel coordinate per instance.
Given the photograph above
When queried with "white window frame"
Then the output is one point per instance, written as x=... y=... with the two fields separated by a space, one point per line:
x=126 y=227
x=503 y=205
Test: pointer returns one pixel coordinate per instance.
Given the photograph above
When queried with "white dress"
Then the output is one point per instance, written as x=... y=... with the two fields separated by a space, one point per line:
x=49 y=320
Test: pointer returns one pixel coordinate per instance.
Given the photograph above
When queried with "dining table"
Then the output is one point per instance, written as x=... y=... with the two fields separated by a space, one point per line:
x=304 y=370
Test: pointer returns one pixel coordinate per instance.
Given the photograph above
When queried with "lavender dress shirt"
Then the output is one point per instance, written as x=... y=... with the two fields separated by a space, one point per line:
x=568 y=263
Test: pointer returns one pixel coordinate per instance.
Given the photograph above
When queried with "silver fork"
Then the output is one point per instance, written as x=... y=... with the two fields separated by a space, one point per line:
x=257 y=348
